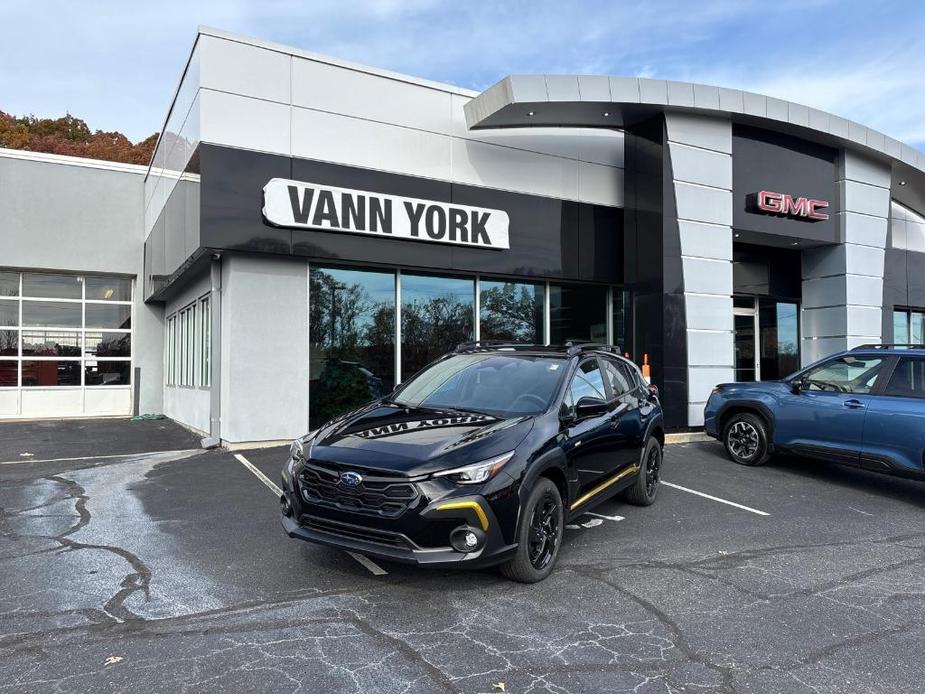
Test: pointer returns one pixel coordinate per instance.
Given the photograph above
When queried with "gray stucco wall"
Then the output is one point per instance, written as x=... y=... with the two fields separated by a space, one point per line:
x=264 y=348
x=60 y=214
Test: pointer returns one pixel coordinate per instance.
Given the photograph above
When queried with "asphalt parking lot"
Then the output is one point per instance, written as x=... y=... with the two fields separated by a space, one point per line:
x=131 y=560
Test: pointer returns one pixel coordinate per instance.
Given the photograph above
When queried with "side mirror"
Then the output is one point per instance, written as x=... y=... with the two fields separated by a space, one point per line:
x=796 y=386
x=590 y=407
x=653 y=389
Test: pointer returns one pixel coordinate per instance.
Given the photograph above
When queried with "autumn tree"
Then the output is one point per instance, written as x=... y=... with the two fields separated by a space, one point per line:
x=71 y=136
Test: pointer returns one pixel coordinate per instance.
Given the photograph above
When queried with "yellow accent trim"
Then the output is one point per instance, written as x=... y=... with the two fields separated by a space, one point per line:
x=603 y=485
x=474 y=505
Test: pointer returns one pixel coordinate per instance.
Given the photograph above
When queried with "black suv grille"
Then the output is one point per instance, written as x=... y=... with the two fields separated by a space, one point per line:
x=376 y=495
x=354 y=532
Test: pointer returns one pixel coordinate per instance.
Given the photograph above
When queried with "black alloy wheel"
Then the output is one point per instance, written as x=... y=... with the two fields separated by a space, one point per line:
x=539 y=535
x=644 y=489
x=653 y=469
x=543 y=539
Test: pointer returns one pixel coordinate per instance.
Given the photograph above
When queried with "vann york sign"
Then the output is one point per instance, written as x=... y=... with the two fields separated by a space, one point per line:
x=312 y=206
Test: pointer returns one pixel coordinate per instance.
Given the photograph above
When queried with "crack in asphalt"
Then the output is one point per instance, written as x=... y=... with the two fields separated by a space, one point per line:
x=137 y=580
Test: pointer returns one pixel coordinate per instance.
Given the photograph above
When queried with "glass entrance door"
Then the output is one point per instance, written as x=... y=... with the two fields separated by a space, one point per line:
x=767 y=338
x=747 y=363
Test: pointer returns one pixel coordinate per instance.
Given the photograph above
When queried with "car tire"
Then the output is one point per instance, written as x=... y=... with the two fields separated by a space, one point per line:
x=645 y=487
x=539 y=536
x=745 y=437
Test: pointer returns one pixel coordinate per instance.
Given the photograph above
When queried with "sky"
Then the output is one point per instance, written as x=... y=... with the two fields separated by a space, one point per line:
x=116 y=63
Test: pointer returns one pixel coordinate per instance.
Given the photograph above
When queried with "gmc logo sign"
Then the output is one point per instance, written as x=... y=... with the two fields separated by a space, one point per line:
x=784 y=205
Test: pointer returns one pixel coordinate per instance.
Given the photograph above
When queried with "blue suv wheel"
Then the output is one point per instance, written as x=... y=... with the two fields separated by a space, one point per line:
x=745 y=436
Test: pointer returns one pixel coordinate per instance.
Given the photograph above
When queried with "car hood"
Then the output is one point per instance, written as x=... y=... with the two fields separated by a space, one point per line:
x=756 y=387
x=415 y=441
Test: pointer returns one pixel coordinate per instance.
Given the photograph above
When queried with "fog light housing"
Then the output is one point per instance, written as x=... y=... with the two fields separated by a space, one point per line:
x=284 y=505
x=467 y=539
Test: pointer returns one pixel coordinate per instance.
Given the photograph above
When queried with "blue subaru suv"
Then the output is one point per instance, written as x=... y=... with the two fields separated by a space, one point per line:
x=864 y=407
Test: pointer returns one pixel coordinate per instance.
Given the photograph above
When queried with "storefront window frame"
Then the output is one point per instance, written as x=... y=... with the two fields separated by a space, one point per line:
x=477 y=278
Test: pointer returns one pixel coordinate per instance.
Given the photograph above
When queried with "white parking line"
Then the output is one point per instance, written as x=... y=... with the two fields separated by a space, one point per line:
x=260 y=476
x=372 y=566
x=715 y=498
x=94 y=457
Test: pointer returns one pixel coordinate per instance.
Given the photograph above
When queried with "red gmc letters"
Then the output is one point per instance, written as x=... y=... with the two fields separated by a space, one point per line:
x=783 y=204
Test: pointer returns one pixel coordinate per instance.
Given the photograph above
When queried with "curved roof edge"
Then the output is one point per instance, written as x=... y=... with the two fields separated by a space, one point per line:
x=603 y=101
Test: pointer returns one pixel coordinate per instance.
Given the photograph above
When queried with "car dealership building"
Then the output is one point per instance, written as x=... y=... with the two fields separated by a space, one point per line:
x=311 y=232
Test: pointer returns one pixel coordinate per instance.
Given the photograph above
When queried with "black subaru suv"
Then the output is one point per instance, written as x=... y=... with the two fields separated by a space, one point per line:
x=480 y=459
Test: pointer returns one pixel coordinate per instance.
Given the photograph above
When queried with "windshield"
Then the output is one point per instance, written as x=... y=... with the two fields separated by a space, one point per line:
x=499 y=385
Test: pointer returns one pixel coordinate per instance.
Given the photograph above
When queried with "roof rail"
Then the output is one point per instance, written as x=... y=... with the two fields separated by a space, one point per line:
x=572 y=347
x=576 y=347
x=889 y=346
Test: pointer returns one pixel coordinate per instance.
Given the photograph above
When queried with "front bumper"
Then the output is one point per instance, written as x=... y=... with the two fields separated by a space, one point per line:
x=392 y=546
x=420 y=532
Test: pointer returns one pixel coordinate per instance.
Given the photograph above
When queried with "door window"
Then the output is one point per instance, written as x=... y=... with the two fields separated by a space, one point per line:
x=588 y=382
x=844 y=375
x=619 y=378
x=908 y=379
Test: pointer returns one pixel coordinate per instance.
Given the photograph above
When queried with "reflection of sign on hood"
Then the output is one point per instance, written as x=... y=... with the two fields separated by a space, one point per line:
x=298 y=204
x=418 y=424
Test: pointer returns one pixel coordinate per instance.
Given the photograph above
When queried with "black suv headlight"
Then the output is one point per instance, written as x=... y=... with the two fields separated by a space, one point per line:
x=477 y=472
x=297 y=450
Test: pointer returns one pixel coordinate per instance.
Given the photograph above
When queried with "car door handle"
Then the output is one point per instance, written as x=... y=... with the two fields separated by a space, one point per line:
x=854 y=404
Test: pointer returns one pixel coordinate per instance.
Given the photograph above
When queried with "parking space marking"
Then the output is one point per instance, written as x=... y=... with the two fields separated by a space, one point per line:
x=95 y=457
x=372 y=566
x=260 y=476
x=616 y=519
x=715 y=498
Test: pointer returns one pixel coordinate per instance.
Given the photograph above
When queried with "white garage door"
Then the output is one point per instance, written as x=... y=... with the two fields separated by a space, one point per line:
x=65 y=344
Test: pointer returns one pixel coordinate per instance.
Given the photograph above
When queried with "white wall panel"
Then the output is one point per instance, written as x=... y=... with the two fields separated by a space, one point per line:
x=703 y=276
x=479 y=164
x=349 y=92
x=863 y=229
x=602 y=185
x=694 y=165
x=42 y=402
x=705 y=312
x=355 y=142
x=239 y=121
x=9 y=403
x=244 y=69
x=865 y=199
x=705 y=240
x=108 y=401
x=710 y=348
x=702 y=204
x=694 y=129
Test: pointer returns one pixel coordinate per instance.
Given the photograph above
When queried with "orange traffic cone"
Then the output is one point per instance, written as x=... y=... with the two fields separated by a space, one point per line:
x=646 y=370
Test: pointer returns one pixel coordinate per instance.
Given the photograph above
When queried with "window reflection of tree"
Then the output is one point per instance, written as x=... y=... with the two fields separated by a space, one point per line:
x=510 y=312
x=431 y=328
x=356 y=336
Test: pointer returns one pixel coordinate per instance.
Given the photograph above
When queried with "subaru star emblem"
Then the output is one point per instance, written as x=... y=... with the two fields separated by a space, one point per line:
x=350 y=479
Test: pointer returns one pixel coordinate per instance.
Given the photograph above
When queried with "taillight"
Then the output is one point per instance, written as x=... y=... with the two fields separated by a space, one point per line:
x=718 y=389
